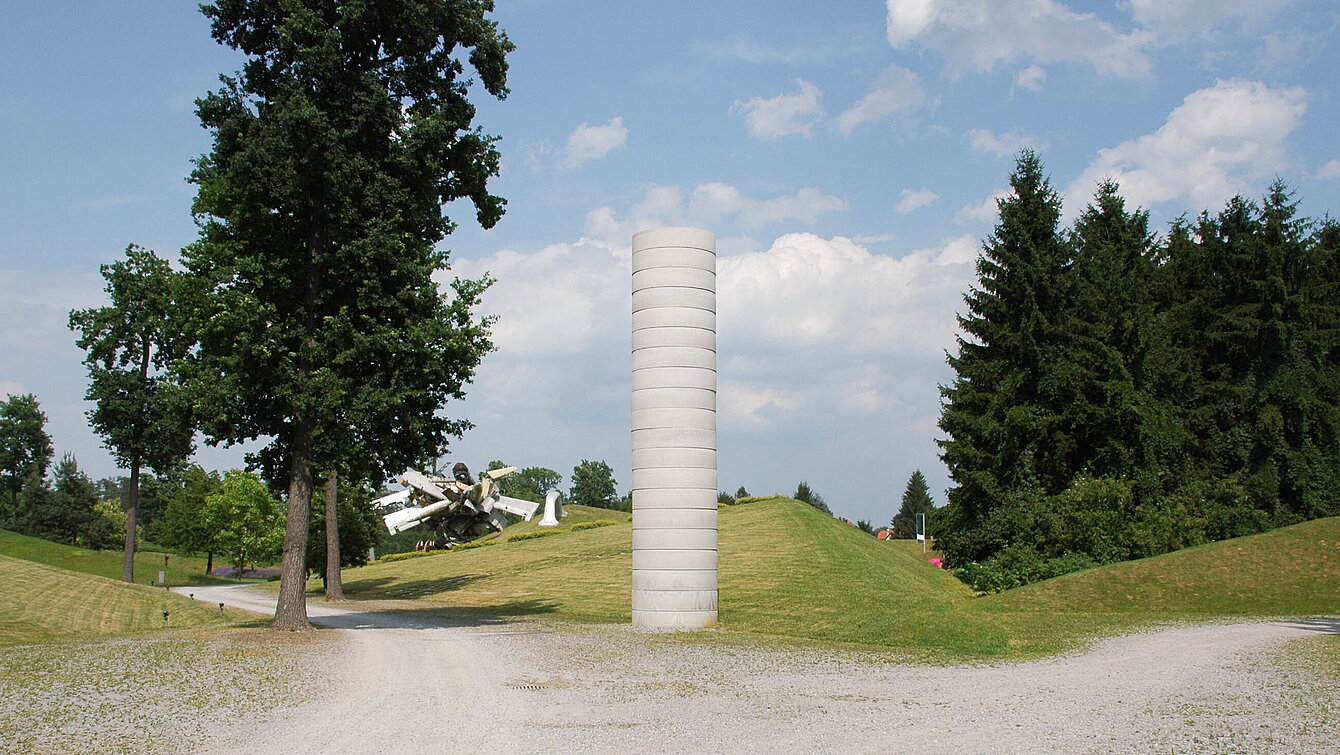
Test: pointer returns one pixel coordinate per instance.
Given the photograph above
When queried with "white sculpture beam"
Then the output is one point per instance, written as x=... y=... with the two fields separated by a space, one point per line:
x=674 y=429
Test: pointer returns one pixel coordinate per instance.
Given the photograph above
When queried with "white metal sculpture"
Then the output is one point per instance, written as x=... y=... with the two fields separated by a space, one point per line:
x=674 y=429
x=457 y=507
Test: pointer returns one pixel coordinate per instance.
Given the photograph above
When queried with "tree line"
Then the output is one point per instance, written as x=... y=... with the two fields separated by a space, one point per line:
x=1120 y=393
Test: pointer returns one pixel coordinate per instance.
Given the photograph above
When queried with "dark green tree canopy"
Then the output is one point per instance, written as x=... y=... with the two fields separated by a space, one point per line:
x=318 y=320
x=129 y=345
x=916 y=500
x=1119 y=395
x=805 y=494
x=593 y=484
x=25 y=446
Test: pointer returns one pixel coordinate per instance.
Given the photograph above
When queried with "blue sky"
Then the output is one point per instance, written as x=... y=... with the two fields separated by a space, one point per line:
x=845 y=155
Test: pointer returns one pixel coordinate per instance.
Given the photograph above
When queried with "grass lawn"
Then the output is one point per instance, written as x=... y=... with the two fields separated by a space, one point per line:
x=788 y=571
x=180 y=570
x=42 y=602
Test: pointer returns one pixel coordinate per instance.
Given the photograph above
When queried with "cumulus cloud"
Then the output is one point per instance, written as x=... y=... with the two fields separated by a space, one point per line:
x=783 y=115
x=896 y=90
x=983 y=34
x=1002 y=145
x=1031 y=78
x=710 y=204
x=1219 y=142
x=1330 y=171
x=587 y=143
x=1175 y=20
x=984 y=211
x=910 y=199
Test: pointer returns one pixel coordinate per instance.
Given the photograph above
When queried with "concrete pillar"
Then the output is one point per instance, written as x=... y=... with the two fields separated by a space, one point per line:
x=674 y=429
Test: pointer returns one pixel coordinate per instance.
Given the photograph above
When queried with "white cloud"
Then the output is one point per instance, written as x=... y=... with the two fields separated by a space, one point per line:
x=713 y=201
x=1175 y=20
x=896 y=90
x=783 y=115
x=982 y=34
x=1217 y=143
x=1002 y=145
x=807 y=292
x=909 y=199
x=587 y=143
x=1031 y=78
x=985 y=211
x=710 y=205
x=1330 y=171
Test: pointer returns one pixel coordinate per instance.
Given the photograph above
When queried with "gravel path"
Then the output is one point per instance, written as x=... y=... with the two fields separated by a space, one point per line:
x=403 y=684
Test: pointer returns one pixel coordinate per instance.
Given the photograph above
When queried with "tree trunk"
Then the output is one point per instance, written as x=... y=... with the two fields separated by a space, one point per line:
x=132 y=517
x=291 y=609
x=334 y=587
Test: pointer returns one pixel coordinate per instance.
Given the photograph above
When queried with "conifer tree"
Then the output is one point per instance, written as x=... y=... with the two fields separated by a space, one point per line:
x=1004 y=413
x=916 y=500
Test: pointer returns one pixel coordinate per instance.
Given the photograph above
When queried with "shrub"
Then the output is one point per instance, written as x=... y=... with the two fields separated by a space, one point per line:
x=1015 y=567
x=591 y=525
x=532 y=535
x=757 y=498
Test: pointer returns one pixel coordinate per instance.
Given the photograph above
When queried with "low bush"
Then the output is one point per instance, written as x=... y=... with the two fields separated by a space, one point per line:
x=591 y=525
x=1015 y=567
x=757 y=498
x=533 y=535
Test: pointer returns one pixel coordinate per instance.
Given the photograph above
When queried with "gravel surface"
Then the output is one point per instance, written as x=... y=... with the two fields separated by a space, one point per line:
x=402 y=682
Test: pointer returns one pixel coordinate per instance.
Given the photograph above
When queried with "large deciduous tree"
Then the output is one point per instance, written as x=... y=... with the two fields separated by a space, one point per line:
x=245 y=520
x=319 y=324
x=129 y=345
x=593 y=484
x=25 y=447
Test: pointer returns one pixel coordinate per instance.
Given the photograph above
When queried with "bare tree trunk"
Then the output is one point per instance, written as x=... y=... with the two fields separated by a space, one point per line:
x=334 y=587
x=291 y=609
x=132 y=517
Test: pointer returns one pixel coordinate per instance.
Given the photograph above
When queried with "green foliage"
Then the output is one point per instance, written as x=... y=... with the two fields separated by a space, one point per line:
x=805 y=494
x=1015 y=567
x=1119 y=396
x=184 y=526
x=25 y=447
x=916 y=500
x=62 y=512
x=107 y=526
x=532 y=535
x=593 y=485
x=245 y=519
x=530 y=483
x=726 y=498
x=311 y=293
x=358 y=524
x=756 y=498
x=591 y=525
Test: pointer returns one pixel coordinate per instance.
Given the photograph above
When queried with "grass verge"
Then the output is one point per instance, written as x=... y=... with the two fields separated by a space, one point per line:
x=42 y=603
x=179 y=570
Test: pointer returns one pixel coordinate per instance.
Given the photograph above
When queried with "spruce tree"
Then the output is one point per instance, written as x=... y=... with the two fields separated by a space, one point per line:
x=1004 y=415
x=916 y=500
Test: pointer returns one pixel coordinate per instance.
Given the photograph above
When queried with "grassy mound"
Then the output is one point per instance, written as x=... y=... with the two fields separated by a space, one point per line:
x=42 y=602
x=180 y=570
x=1292 y=571
x=789 y=571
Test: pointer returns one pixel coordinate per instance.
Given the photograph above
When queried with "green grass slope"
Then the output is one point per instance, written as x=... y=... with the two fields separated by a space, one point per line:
x=40 y=602
x=181 y=570
x=789 y=571
x=571 y=515
x=1292 y=571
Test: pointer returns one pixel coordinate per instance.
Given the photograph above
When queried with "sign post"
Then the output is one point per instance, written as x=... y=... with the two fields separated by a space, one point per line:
x=921 y=530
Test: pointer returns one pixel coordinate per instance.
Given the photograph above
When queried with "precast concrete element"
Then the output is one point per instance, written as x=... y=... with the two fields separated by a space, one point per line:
x=674 y=429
